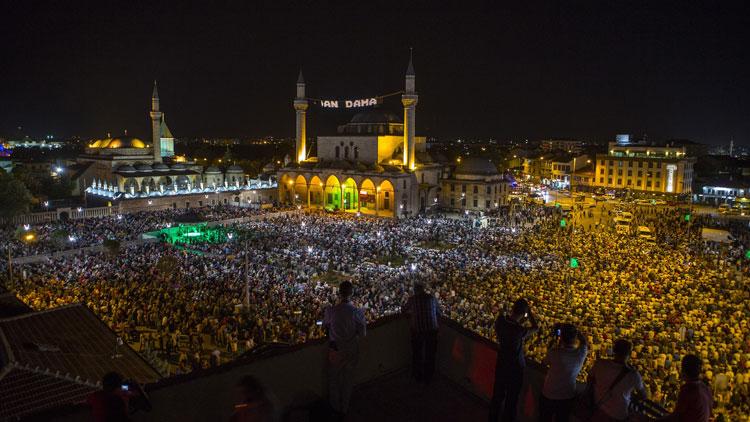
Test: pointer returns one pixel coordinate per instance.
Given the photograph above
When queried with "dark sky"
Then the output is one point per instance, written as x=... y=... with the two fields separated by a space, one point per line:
x=671 y=69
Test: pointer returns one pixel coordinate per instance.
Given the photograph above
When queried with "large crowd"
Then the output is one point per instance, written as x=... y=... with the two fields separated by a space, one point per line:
x=671 y=297
x=66 y=234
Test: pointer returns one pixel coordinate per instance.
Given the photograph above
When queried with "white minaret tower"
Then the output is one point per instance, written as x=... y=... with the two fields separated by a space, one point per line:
x=156 y=125
x=409 y=100
x=300 y=107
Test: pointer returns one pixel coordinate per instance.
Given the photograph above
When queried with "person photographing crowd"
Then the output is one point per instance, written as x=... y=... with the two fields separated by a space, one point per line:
x=117 y=399
x=511 y=330
x=565 y=358
x=345 y=324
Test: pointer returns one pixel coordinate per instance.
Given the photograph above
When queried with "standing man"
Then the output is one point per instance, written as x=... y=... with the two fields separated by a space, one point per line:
x=345 y=324
x=614 y=382
x=424 y=310
x=694 y=403
x=565 y=360
x=511 y=333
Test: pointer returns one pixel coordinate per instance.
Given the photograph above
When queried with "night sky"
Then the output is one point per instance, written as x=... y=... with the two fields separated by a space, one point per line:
x=671 y=69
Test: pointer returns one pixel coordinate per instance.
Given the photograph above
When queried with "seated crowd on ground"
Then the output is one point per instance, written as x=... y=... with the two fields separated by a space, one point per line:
x=189 y=310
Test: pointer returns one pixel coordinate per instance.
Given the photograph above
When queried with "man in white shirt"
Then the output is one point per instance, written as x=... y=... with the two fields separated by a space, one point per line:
x=614 y=382
x=565 y=360
x=345 y=324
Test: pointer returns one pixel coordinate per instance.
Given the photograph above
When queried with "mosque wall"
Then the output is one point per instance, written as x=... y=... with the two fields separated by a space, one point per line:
x=353 y=148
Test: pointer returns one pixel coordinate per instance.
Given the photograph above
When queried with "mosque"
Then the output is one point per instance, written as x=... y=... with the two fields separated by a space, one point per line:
x=377 y=165
x=136 y=175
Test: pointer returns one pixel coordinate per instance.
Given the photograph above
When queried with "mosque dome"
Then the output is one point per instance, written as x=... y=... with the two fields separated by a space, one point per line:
x=120 y=142
x=375 y=116
x=160 y=167
x=212 y=170
x=234 y=168
x=178 y=166
x=143 y=167
x=100 y=143
x=127 y=168
x=478 y=166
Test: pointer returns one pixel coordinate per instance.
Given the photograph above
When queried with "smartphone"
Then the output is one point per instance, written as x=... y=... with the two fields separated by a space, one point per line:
x=124 y=387
x=558 y=332
x=526 y=315
x=318 y=322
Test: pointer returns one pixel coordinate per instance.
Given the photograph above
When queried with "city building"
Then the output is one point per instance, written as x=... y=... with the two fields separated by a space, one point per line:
x=553 y=169
x=572 y=146
x=375 y=164
x=475 y=184
x=140 y=175
x=723 y=190
x=645 y=168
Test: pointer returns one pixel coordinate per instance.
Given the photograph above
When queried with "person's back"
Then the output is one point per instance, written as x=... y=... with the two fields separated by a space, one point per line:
x=614 y=400
x=110 y=403
x=107 y=406
x=345 y=322
x=510 y=338
x=695 y=402
x=565 y=361
x=424 y=311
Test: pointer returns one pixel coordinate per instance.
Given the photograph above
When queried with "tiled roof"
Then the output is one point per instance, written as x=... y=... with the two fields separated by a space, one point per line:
x=10 y=305
x=58 y=356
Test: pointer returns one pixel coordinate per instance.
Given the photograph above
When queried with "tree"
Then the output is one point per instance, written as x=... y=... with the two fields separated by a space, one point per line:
x=15 y=199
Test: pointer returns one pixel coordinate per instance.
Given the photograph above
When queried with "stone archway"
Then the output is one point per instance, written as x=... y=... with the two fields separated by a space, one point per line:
x=386 y=198
x=368 y=197
x=300 y=190
x=286 y=189
x=332 y=193
x=350 y=195
x=315 y=193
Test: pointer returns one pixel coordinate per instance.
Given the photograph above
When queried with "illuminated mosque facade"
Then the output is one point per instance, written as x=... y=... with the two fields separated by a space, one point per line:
x=138 y=175
x=377 y=165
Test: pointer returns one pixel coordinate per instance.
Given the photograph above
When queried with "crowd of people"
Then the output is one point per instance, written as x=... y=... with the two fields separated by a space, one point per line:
x=68 y=234
x=670 y=298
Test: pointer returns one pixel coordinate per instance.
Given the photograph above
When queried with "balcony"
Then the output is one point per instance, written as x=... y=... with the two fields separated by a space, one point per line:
x=296 y=382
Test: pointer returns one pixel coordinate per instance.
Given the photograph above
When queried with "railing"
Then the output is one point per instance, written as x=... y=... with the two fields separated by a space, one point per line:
x=295 y=376
x=71 y=213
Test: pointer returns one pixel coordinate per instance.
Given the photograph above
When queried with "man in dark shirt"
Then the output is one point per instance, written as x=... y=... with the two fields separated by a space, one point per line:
x=424 y=310
x=694 y=402
x=511 y=333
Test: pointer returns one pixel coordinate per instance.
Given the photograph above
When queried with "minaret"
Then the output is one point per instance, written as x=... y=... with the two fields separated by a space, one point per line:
x=300 y=107
x=409 y=100
x=156 y=125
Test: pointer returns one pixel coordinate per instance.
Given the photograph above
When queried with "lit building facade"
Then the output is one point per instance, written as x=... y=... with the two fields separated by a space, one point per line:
x=474 y=185
x=374 y=165
x=131 y=172
x=645 y=168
